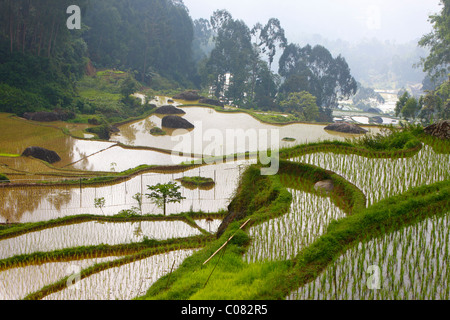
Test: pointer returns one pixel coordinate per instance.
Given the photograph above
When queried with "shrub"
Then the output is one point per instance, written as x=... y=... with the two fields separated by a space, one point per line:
x=3 y=178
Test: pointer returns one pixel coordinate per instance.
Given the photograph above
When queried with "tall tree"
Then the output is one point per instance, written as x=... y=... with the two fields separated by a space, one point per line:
x=144 y=35
x=401 y=103
x=313 y=69
x=437 y=64
x=233 y=55
x=269 y=37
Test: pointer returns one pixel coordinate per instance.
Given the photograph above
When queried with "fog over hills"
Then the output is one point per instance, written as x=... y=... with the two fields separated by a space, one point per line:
x=378 y=38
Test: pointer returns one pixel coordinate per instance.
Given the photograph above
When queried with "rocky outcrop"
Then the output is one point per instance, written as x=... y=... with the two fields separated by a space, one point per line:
x=377 y=119
x=439 y=130
x=175 y=122
x=189 y=95
x=345 y=127
x=168 y=109
x=211 y=102
x=43 y=116
x=42 y=154
x=325 y=186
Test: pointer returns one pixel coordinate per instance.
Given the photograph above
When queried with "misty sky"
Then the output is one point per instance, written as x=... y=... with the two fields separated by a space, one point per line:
x=350 y=20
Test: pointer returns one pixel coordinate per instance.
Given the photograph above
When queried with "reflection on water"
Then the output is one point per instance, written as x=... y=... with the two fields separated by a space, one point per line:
x=118 y=159
x=18 y=202
x=211 y=124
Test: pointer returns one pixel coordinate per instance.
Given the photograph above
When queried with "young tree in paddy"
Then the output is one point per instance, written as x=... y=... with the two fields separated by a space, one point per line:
x=165 y=193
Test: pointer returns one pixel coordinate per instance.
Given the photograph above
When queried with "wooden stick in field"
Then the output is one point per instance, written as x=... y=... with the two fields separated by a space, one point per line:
x=218 y=250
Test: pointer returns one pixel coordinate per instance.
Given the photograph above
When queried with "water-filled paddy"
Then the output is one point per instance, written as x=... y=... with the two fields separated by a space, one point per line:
x=117 y=159
x=32 y=204
x=212 y=127
x=383 y=178
x=282 y=238
x=411 y=264
x=94 y=233
x=210 y=225
x=125 y=282
x=17 y=283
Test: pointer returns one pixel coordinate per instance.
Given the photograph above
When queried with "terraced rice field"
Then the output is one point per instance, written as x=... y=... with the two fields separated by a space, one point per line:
x=92 y=234
x=125 y=282
x=17 y=283
x=282 y=238
x=383 y=178
x=410 y=264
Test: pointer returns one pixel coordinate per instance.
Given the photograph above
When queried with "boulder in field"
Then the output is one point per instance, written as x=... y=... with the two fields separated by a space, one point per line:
x=168 y=109
x=439 y=130
x=211 y=102
x=324 y=186
x=345 y=127
x=377 y=119
x=175 y=122
x=189 y=95
x=42 y=154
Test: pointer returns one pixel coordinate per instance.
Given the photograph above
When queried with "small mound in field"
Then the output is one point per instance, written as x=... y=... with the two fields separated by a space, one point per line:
x=193 y=183
x=439 y=130
x=345 y=127
x=43 y=116
x=324 y=186
x=175 y=122
x=168 y=109
x=211 y=102
x=42 y=154
x=189 y=95
x=157 y=131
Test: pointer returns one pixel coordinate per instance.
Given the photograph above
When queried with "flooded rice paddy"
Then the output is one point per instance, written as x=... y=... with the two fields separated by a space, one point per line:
x=125 y=282
x=410 y=264
x=382 y=178
x=284 y=237
x=212 y=129
x=33 y=204
x=17 y=283
x=278 y=239
x=93 y=234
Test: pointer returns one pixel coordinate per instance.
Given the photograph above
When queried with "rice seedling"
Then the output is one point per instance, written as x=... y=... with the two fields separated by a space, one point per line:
x=282 y=238
x=18 y=282
x=93 y=233
x=125 y=282
x=412 y=265
x=382 y=178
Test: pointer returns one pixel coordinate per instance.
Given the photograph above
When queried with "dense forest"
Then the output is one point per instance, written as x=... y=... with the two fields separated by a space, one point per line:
x=157 y=44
